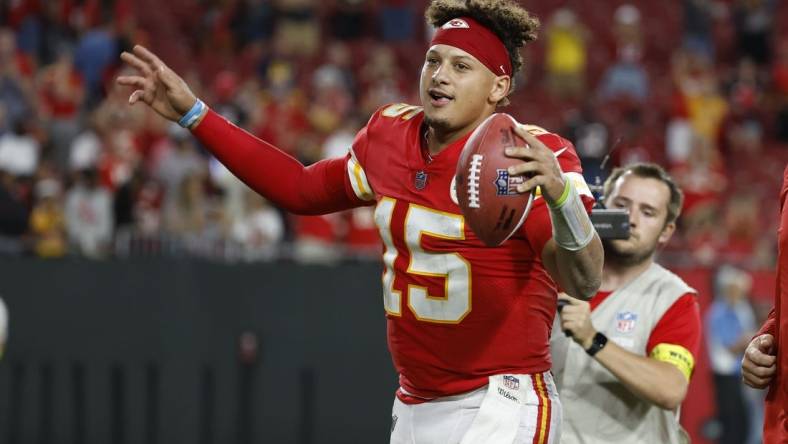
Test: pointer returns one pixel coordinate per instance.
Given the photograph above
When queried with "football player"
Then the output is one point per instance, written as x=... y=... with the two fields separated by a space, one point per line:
x=468 y=325
x=765 y=362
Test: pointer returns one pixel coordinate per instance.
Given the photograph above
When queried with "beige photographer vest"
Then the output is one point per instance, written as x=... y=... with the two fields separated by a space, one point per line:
x=597 y=407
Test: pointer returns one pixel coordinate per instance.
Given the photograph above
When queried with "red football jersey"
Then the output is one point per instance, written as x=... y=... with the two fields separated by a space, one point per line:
x=775 y=428
x=457 y=311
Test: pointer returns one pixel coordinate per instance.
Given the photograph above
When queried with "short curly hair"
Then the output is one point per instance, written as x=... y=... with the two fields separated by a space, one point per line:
x=509 y=21
x=650 y=171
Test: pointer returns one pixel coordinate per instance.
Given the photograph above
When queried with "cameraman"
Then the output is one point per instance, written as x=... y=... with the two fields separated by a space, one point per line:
x=625 y=371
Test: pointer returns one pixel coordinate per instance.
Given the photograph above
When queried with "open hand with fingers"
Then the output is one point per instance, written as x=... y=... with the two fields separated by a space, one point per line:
x=156 y=84
x=759 y=364
x=540 y=165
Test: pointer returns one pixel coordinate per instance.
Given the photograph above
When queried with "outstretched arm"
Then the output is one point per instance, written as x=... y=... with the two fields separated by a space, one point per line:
x=318 y=189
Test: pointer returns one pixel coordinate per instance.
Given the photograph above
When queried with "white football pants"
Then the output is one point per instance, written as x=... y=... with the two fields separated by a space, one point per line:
x=511 y=409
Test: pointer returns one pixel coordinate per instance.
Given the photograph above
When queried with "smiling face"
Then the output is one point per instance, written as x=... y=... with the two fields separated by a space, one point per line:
x=457 y=91
x=647 y=201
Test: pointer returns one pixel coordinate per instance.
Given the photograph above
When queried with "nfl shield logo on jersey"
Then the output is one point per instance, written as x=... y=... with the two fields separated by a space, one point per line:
x=511 y=382
x=625 y=321
x=505 y=184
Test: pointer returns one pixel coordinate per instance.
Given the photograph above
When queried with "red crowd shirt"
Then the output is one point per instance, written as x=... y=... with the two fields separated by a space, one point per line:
x=775 y=427
x=55 y=102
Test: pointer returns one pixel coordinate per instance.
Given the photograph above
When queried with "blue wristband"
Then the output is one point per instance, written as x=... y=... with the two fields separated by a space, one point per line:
x=192 y=115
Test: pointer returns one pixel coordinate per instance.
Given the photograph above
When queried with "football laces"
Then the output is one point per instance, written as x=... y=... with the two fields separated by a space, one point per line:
x=474 y=171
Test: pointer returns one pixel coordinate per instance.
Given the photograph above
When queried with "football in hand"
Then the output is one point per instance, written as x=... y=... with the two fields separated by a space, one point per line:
x=486 y=193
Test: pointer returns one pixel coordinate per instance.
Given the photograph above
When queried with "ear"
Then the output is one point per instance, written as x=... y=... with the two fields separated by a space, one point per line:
x=666 y=234
x=499 y=89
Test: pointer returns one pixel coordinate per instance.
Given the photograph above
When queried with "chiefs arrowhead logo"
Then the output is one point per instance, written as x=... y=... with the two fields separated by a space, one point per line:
x=455 y=23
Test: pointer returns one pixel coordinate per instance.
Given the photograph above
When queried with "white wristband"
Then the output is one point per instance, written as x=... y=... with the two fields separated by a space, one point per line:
x=572 y=228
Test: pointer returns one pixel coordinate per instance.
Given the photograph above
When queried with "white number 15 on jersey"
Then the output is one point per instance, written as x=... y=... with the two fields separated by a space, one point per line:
x=453 y=268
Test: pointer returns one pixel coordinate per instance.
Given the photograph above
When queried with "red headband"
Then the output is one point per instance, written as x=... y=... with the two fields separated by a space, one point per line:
x=472 y=37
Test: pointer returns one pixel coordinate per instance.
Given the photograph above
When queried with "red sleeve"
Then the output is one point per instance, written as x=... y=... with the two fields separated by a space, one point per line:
x=537 y=226
x=564 y=151
x=769 y=326
x=321 y=188
x=680 y=325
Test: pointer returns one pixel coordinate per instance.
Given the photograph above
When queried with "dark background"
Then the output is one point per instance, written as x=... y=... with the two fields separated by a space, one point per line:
x=148 y=351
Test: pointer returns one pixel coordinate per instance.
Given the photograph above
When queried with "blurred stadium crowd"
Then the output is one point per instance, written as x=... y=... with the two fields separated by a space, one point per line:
x=700 y=86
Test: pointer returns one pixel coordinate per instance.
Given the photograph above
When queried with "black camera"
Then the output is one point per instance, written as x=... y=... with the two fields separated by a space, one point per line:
x=610 y=223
